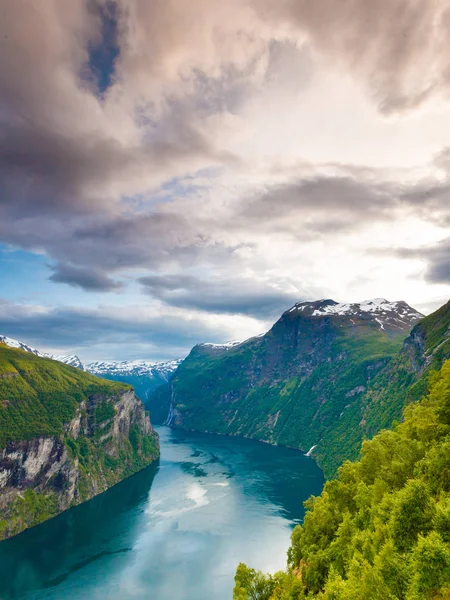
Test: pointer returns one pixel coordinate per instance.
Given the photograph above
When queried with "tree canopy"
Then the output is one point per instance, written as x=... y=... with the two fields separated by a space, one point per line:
x=381 y=531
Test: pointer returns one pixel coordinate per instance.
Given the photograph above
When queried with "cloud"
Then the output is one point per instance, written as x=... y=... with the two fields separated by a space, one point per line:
x=116 y=332
x=322 y=203
x=397 y=49
x=182 y=143
x=241 y=295
x=437 y=258
x=89 y=280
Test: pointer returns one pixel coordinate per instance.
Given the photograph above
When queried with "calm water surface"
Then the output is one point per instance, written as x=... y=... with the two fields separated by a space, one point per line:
x=175 y=531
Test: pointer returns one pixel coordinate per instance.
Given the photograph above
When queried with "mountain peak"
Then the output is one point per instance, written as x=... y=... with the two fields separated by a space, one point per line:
x=12 y=343
x=393 y=315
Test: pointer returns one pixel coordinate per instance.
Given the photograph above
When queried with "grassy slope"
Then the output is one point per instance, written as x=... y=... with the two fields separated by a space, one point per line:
x=382 y=530
x=39 y=395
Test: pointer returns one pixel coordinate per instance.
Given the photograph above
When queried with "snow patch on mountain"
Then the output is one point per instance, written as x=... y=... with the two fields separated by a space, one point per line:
x=16 y=344
x=393 y=314
x=68 y=359
x=224 y=345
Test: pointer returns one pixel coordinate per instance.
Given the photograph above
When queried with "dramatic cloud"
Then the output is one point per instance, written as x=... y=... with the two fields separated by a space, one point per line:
x=87 y=279
x=436 y=257
x=229 y=157
x=397 y=48
x=322 y=203
x=232 y=296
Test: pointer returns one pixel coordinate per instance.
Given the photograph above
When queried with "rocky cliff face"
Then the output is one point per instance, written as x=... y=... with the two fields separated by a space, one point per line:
x=108 y=437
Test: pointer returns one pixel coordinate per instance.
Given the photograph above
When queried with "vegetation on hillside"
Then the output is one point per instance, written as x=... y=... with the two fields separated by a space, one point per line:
x=404 y=380
x=289 y=387
x=38 y=398
x=381 y=531
x=39 y=395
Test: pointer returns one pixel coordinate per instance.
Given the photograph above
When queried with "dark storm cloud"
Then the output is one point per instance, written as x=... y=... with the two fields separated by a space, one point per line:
x=231 y=296
x=437 y=258
x=89 y=280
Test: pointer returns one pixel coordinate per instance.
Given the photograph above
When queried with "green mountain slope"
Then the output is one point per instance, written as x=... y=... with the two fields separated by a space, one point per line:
x=65 y=436
x=382 y=530
x=403 y=380
x=293 y=385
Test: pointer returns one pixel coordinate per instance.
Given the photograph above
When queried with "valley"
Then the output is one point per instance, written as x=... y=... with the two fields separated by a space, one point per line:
x=323 y=379
x=311 y=380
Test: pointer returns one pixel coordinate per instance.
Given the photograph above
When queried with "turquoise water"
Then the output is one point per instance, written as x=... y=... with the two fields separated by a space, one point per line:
x=175 y=531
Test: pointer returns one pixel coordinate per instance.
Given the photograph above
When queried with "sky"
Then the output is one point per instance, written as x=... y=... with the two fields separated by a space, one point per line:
x=174 y=172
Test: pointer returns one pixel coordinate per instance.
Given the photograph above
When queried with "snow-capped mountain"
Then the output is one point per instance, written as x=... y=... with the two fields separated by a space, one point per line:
x=387 y=315
x=16 y=344
x=145 y=376
x=68 y=359
x=132 y=367
x=71 y=360
x=223 y=346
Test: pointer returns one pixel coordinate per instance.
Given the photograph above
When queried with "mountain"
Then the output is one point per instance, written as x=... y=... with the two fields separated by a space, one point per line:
x=406 y=377
x=144 y=376
x=293 y=385
x=65 y=436
x=381 y=531
x=68 y=359
x=16 y=344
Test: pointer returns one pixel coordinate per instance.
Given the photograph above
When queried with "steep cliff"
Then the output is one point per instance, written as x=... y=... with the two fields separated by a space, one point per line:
x=65 y=436
x=294 y=385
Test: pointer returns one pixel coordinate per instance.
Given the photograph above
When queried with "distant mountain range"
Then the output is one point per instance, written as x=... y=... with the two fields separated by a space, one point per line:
x=298 y=384
x=145 y=376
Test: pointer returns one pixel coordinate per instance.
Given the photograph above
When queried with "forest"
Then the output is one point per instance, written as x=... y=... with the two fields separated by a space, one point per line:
x=381 y=530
